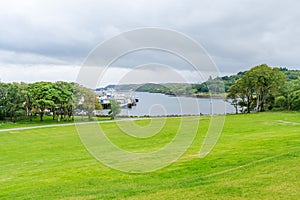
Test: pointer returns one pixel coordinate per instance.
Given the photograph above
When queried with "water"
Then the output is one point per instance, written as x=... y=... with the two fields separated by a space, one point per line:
x=155 y=104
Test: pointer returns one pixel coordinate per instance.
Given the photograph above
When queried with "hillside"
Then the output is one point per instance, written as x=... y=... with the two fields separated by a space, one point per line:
x=216 y=85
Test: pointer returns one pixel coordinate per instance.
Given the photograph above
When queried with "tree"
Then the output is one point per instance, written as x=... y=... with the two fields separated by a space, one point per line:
x=287 y=90
x=242 y=105
x=43 y=104
x=14 y=101
x=266 y=81
x=246 y=90
x=260 y=84
x=233 y=97
x=115 y=109
x=295 y=100
x=241 y=93
x=43 y=97
x=63 y=98
x=87 y=100
x=60 y=98
x=27 y=93
x=3 y=100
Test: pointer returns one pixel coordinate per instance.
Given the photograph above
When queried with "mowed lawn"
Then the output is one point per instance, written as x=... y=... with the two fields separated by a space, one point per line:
x=256 y=157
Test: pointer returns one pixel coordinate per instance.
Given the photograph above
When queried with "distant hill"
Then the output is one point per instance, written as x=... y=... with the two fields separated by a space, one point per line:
x=291 y=74
x=215 y=85
x=228 y=81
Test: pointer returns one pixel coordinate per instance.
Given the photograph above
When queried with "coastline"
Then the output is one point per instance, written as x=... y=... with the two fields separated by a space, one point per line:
x=198 y=95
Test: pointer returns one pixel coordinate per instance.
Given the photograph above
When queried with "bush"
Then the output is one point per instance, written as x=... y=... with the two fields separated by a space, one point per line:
x=281 y=102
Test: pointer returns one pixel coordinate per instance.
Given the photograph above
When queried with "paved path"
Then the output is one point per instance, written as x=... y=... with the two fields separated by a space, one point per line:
x=70 y=124
x=34 y=127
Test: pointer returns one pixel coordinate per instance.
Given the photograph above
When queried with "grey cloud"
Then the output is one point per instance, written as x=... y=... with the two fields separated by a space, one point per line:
x=236 y=33
x=25 y=59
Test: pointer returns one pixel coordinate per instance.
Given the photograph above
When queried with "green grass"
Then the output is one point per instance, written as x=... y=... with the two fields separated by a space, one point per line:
x=25 y=122
x=256 y=157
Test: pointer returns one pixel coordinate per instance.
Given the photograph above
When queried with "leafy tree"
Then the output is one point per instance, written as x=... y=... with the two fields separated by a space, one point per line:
x=88 y=101
x=259 y=85
x=246 y=89
x=43 y=97
x=3 y=100
x=43 y=104
x=27 y=93
x=115 y=109
x=15 y=100
x=233 y=97
x=242 y=93
x=286 y=91
x=295 y=100
x=266 y=81
x=63 y=98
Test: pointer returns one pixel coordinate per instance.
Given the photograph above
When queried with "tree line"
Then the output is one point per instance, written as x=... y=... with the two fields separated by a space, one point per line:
x=264 y=88
x=259 y=89
x=59 y=99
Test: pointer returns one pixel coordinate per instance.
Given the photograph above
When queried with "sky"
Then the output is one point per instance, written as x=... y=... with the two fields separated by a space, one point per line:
x=51 y=39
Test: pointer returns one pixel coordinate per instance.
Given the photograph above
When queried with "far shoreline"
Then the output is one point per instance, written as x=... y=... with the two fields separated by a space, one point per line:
x=198 y=95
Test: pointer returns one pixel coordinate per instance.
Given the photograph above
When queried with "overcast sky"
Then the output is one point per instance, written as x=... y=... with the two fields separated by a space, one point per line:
x=50 y=39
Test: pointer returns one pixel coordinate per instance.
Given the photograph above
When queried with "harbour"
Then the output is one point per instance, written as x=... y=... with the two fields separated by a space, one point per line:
x=138 y=104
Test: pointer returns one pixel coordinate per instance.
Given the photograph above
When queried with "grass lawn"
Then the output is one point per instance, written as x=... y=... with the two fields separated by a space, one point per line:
x=256 y=157
x=25 y=122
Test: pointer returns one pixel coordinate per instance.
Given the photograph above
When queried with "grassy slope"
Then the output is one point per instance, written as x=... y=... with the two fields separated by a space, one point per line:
x=25 y=122
x=257 y=157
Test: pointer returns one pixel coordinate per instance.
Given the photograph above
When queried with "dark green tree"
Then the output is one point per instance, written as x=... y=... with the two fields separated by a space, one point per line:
x=3 y=100
x=43 y=97
x=14 y=101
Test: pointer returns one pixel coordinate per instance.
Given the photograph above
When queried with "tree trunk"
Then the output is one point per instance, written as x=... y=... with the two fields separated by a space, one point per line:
x=27 y=111
x=257 y=103
x=54 y=113
x=41 y=115
x=4 y=116
x=262 y=101
x=249 y=101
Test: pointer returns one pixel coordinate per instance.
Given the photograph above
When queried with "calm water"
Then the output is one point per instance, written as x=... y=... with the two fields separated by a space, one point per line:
x=155 y=104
